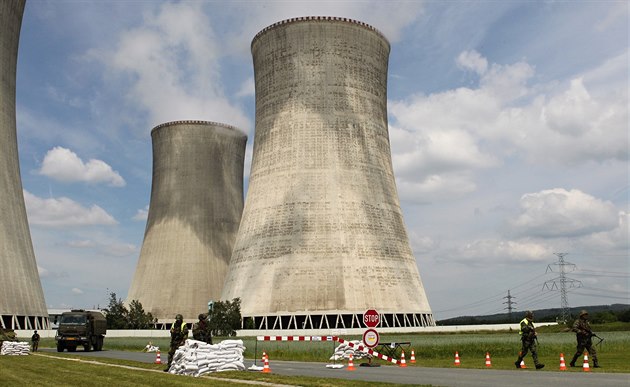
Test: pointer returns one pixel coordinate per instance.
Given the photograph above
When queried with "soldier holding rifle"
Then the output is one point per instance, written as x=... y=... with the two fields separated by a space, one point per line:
x=584 y=336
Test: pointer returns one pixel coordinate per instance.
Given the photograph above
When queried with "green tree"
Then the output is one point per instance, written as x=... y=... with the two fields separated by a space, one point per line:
x=624 y=315
x=137 y=318
x=225 y=318
x=116 y=313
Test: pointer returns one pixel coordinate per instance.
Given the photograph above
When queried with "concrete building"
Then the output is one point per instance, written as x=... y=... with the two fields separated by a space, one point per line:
x=22 y=304
x=322 y=237
x=194 y=214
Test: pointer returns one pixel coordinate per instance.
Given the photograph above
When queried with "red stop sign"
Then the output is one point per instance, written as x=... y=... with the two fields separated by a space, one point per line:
x=371 y=318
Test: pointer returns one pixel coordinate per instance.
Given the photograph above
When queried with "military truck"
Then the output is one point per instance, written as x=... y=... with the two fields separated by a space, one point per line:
x=81 y=327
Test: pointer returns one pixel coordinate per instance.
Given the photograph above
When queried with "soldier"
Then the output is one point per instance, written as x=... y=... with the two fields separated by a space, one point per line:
x=584 y=335
x=528 y=339
x=179 y=334
x=35 y=341
x=201 y=330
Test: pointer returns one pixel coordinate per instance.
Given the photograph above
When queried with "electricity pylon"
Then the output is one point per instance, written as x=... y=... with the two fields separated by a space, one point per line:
x=562 y=282
x=509 y=303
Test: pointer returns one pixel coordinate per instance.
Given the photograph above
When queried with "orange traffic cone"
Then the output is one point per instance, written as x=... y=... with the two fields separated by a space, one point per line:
x=266 y=368
x=456 y=359
x=403 y=363
x=563 y=366
x=585 y=366
x=351 y=363
x=157 y=358
x=488 y=362
x=413 y=357
x=522 y=365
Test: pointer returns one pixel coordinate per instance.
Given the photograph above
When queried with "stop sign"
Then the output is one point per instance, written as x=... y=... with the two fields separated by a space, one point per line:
x=371 y=318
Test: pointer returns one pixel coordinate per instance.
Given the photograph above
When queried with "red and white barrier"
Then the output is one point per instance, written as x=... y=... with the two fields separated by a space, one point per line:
x=329 y=338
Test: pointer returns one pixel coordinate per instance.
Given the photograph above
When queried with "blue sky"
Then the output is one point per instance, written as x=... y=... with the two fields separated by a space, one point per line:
x=508 y=127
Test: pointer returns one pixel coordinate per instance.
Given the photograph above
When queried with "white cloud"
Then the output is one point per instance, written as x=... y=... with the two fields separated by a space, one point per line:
x=462 y=131
x=120 y=249
x=42 y=272
x=64 y=212
x=82 y=244
x=248 y=88
x=616 y=239
x=77 y=291
x=472 y=60
x=64 y=165
x=572 y=112
x=561 y=213
x=171 y=69
x=141 y=214
x=499 y=251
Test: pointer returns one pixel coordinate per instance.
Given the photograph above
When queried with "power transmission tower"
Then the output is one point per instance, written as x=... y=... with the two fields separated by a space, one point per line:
x=509 y=303
x=562 y=282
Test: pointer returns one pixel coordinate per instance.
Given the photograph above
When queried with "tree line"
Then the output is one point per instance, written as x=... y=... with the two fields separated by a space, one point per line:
x=224 y=319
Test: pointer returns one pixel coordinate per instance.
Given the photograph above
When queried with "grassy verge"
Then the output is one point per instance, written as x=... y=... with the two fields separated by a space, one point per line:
x=38 y=370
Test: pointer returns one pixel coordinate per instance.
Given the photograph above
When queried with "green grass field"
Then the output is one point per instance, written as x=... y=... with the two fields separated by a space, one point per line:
x=431 y=350
x=437 y=350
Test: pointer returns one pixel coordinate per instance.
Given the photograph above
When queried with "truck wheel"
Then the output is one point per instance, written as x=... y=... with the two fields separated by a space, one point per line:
x=86 y=347
x=60 y=347
x=100 y=343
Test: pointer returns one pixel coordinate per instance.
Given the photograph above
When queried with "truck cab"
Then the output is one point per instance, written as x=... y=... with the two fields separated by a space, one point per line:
x=81 y=328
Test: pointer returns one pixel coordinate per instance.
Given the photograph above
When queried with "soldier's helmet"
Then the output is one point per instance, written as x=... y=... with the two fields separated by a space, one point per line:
x=202 y=316
x=179 y=317
x=529 y=314
x=583 y=313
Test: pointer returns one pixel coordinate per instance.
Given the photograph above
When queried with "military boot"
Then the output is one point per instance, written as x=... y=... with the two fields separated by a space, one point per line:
x=539 y=366
x=518 y=362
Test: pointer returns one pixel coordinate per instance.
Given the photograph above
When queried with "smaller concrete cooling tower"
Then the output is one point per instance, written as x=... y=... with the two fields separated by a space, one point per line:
x=22 y=303
x=194 y=215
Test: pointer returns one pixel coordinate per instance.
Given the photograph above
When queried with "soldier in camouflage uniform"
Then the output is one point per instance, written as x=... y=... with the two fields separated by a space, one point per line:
x=179 y=334
x=201 y=330
x=528 y=340
x=584 y=335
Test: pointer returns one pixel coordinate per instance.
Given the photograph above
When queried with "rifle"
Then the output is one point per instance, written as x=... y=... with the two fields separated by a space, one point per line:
x=600 y=339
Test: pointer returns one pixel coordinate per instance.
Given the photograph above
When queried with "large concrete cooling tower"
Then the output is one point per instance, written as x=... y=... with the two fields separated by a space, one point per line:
x=194 y=214
x=22 y=303
x=322 y=237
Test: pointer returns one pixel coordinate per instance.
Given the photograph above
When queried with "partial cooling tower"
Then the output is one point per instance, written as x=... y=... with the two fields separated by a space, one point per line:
x=194 y=214
x=22 y=303
x=322 y=237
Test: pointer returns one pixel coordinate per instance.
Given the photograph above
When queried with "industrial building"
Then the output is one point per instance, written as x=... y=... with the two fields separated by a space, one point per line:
x=194 y=214
x=22 y=304
x=322 y=237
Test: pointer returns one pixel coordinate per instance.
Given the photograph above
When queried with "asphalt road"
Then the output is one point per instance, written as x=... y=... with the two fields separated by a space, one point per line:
x=416 y=375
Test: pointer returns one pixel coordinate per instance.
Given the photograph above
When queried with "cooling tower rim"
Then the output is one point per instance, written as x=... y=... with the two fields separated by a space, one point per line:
x=198 y=122
x=318 y=18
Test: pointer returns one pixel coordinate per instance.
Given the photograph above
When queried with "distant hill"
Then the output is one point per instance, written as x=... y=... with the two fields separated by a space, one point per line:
x=539 y=315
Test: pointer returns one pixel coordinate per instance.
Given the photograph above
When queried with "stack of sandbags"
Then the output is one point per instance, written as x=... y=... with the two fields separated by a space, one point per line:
x=15 y=348
x=344 y=350
x=196 y=358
